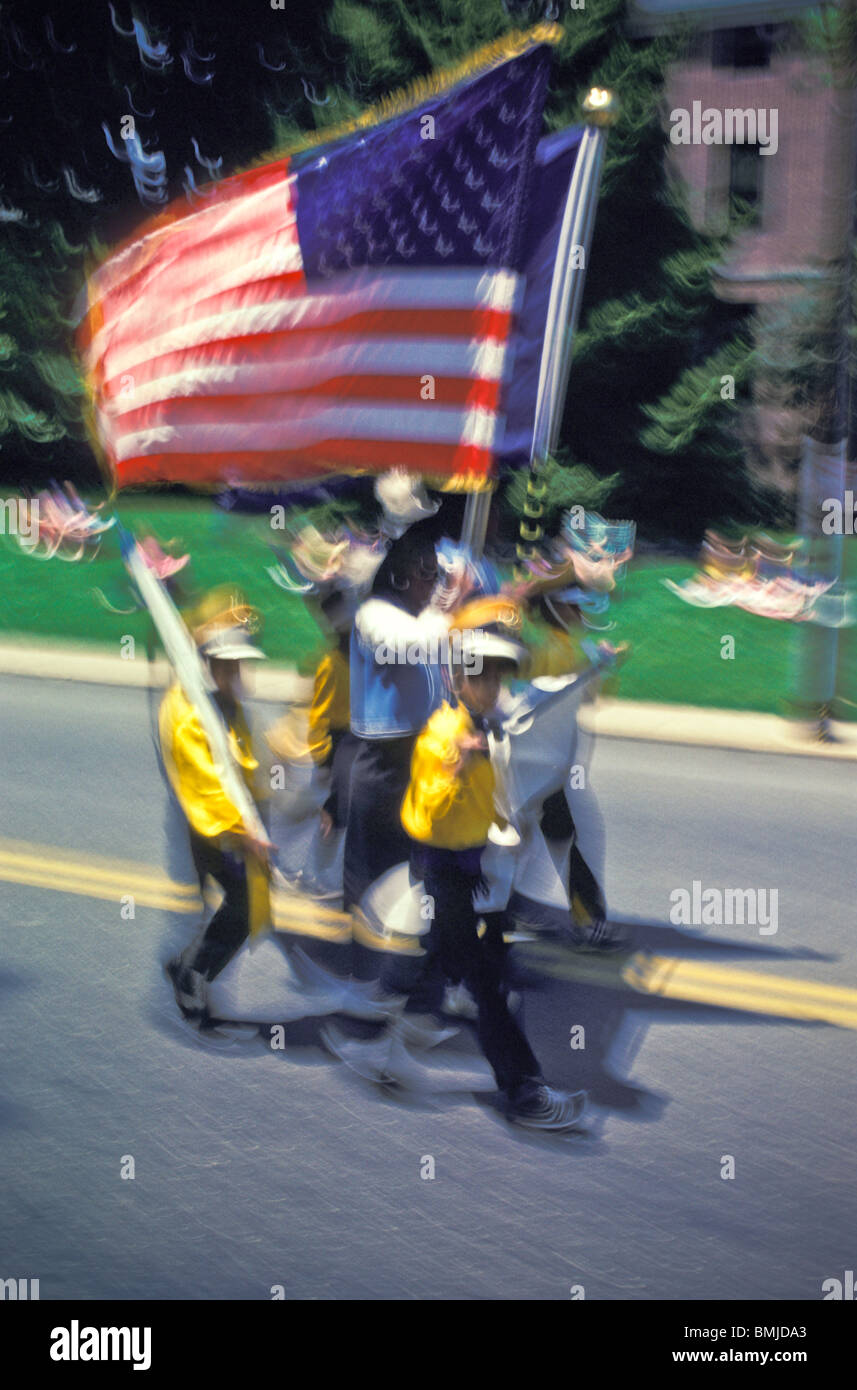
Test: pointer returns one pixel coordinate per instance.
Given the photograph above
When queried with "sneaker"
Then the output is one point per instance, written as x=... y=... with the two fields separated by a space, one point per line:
x=206 y=1031
x=539 y=1107
x=459 y=1002
x=304 y=883
x=189 y=987
x=601 y=937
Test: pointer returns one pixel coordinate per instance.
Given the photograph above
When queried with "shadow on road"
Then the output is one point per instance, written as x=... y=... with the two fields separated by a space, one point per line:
x=585 y=1022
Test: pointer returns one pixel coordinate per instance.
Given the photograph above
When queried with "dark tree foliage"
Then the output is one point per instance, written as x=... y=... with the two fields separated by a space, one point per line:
x=204 y=83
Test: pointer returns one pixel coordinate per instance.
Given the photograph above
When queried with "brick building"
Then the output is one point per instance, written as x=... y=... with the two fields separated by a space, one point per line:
x=786 y=207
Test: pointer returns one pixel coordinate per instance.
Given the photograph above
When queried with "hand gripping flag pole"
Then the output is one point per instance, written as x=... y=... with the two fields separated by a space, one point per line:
x=185 y=660
x=566 y=295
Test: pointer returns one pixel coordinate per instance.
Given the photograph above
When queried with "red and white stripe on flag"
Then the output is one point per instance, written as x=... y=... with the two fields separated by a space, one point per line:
x=211 y=360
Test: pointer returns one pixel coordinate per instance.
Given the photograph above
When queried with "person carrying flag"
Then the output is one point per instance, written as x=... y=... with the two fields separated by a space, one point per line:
x=222 y=849
x=396 y=675
x=391 y=698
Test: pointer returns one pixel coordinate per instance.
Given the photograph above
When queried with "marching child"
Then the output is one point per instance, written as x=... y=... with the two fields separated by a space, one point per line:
x=221 y=847
x=447 y=811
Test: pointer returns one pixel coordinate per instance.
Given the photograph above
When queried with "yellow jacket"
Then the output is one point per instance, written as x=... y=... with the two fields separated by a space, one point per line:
x=450 y=800
x=331 y=703
x=195 y=781
x=190 y=766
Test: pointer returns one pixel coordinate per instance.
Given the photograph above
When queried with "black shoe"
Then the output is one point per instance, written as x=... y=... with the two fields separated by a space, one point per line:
x=601 y=937
x=189 y=989
x=537 y=1106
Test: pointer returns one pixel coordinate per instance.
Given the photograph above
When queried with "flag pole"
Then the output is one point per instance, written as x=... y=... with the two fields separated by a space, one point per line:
x=185 y=660
x=567 y=287
x=566 y=294
x=475 y=523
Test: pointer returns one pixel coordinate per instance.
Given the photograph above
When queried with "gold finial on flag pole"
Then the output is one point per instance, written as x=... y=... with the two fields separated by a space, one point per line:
x=601 y=107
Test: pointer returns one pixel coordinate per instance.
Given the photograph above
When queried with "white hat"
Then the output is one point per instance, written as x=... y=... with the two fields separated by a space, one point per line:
x=231 y=644
x=486 y=645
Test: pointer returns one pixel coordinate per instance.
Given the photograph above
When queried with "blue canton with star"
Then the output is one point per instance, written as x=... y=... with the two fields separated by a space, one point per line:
x=389 y=197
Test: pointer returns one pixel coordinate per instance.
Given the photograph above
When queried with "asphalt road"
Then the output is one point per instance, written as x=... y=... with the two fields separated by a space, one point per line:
x=255 y=1167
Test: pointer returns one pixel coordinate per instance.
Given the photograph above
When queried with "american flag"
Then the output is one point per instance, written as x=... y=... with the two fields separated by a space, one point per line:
x=348 y=309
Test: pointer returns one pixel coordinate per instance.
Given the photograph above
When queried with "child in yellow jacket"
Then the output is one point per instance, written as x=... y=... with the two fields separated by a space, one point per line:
x=447 y=811
x=222 y=849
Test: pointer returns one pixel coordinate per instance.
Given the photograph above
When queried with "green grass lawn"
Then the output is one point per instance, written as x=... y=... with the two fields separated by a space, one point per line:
x=678 y=651
x=54 y=599
x=676 y=648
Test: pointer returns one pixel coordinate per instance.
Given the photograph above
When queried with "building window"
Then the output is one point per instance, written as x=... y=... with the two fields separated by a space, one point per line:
x=745 y=184
x=743 y=48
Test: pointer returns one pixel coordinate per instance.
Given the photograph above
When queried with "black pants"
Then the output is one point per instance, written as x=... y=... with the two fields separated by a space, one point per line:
x=374 y=838
x=451 y=878
x=342 y=755
x=557 y=824
x=229 y=928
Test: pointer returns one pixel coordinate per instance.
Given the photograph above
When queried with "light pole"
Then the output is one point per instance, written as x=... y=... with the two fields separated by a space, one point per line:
x=819 y=670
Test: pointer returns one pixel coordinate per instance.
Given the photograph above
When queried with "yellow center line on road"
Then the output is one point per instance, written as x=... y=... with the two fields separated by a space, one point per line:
x=809 y=1007
x=109 y=880
x=108 y=885
x=773 y=984
x=665 y=977
x=697 y=982
x=69 y=866
x=694 y=982
x=142 y=897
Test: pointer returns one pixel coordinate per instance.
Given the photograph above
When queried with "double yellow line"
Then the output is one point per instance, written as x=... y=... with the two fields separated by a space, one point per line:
x=112 y=880
x=93 y=876
x=703 y=982
x=666 y=977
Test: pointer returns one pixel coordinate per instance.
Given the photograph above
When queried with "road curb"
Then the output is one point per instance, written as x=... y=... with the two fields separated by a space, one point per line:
x=101 y=666
x=737 y=730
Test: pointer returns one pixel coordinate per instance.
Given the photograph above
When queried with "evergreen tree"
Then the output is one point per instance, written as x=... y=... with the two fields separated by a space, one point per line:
x=107 y=112
x=41 y=394
x=654 y=342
